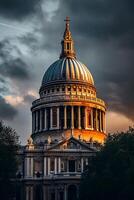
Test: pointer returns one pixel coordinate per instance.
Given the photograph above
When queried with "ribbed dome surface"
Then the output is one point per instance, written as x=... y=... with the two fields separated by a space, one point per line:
x=67 y=69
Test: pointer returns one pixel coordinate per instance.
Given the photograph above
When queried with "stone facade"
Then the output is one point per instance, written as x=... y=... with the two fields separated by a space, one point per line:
x=68 y=120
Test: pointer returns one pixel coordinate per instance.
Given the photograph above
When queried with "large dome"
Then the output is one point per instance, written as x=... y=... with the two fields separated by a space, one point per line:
x=68 y=105
x=67 y=69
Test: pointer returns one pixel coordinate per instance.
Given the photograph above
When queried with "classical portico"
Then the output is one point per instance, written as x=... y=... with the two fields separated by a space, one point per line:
x=57 y=170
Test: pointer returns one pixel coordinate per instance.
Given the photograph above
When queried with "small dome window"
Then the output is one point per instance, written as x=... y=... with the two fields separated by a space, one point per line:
x=68 y=46
x=63 y=89
x=69 y=89
x=58 y=89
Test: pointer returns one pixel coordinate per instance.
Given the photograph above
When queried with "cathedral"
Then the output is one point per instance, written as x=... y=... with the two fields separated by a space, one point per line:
x=68 y=123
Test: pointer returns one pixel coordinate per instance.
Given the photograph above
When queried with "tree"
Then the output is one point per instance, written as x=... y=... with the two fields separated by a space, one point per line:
x=9 y=143
x=110 y=174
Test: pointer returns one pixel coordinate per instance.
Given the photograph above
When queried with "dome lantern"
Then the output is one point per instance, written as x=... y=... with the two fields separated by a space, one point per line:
x=67 y=42
x=67 y=68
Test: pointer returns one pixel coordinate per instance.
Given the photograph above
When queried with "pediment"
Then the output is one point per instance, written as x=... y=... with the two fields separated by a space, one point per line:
x=70 y=144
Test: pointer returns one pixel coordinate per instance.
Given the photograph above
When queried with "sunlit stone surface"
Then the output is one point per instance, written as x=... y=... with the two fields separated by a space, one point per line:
x=68 y=122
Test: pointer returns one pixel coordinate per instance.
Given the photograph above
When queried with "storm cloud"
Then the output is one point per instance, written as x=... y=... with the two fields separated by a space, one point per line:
x=104 y=39
x=93 y=21
x=15 y=68
x=29 y=98
x=11 y=65
x=18 y=9
x=102 y=19
x=7 y=111
x=103 y=33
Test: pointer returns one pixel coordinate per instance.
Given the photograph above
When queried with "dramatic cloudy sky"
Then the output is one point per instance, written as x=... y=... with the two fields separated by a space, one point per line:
x=30 y=35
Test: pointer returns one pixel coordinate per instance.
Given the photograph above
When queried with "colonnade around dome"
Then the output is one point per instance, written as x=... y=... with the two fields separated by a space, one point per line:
x=67 y=106
x=68 y=117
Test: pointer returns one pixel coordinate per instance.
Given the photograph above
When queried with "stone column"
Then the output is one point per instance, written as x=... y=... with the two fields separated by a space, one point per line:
x=65 y=192
x=96 y=118
x=100 y=120
x=58 y=118
x=48 y=165
x=82 y=165
x=85 y=121
x=36 y=120
x=92 y=122
x=45 y=166
x=65 y=117
x=59 y=165
x=43 y=124
x=31 y=170
x=29 y=167
x=41 y=112
x=104 y=122
x=102 y=125
x=27 y=193
x=51 y=118
x=31 y=196
x=33 y=122
x=26 y=167
x=55 y=165
x=79 y=117
x=72 y=117
x=45 y=118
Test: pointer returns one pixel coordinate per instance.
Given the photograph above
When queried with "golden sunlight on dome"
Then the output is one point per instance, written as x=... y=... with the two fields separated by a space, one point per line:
x=68 y=99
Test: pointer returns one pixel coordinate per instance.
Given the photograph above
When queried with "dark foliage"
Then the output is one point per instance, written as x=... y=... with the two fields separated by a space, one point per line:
x=110 y=175
x=9 y=143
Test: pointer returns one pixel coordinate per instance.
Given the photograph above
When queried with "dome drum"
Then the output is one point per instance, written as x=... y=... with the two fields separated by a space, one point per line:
x=54 y=119
x=62 y=100
x=60 y=83
x=68 y=89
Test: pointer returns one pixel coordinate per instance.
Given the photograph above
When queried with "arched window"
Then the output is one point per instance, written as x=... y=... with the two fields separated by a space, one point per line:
x=68 y=46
